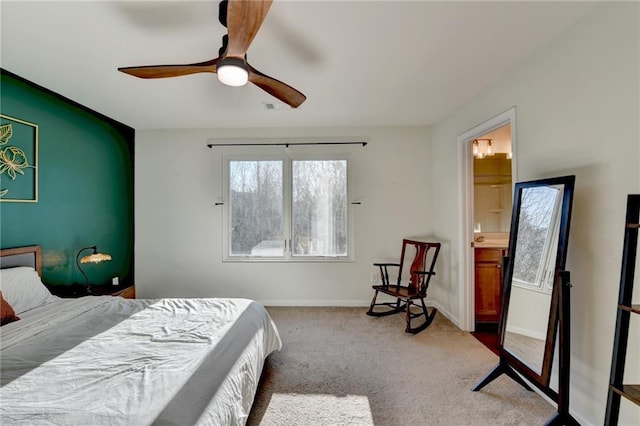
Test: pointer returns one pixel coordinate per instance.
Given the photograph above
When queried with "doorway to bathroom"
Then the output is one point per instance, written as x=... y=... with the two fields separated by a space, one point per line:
x=473 y=148
x=492 y=201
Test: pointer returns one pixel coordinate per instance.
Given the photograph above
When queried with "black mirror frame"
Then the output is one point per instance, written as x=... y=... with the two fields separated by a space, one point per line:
x=543 y=378
x=559 y=312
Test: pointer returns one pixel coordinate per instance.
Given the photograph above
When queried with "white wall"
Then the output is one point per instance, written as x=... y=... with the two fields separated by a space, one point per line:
x=178 y=242
x=578 y=111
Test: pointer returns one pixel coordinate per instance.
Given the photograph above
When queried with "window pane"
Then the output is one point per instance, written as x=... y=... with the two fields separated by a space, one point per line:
x=319 y=208
x=256 y=215
x=537 y=212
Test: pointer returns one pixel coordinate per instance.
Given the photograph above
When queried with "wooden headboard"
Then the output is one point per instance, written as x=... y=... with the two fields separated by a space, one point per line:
x=22 y=256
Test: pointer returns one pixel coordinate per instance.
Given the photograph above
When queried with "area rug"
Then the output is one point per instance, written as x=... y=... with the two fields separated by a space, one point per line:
x=341 y=367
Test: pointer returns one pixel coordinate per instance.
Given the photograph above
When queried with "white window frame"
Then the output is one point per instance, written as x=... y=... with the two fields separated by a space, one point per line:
x=545 y=273
x=287 y=182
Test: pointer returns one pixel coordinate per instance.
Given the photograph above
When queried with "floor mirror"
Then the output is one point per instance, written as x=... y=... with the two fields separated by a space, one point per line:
x=535 y=317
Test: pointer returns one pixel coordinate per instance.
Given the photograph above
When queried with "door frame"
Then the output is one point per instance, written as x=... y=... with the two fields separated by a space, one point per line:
x=467 y=263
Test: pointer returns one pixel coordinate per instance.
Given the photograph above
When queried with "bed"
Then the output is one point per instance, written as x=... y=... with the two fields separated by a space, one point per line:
x=108 y=360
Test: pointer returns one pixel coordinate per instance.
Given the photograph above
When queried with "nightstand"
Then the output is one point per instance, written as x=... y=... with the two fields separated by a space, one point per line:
x=128 y=291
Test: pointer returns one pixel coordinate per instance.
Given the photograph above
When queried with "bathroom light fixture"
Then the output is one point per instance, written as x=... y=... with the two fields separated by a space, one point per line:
x=94 y=257
x=479 y=152
x=232 y=72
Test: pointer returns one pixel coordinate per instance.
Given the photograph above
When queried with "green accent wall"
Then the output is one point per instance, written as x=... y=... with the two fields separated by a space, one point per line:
x=85 y=188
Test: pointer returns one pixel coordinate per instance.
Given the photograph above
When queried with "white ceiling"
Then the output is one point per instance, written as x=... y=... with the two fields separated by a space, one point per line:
x=360 y=63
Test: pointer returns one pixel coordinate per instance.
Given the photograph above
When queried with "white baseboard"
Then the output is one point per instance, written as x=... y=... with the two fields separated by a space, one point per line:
x=349 y=303
x=317 y=303
x=444 y=312
x=580 y=420
x=526 y=332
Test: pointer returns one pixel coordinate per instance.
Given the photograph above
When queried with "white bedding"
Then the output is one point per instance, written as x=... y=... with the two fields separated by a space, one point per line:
x=108 y=360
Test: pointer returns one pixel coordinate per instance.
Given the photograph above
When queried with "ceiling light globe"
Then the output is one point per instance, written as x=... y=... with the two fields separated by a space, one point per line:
x=232 y=75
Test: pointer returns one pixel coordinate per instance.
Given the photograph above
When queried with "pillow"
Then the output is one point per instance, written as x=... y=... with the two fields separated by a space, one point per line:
x=7 y=314
x=23 y=289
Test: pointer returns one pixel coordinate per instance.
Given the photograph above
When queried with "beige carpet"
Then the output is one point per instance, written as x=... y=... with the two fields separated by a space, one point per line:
x=341 y=367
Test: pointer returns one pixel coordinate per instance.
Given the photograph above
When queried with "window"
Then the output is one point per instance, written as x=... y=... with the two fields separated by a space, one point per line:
x=538 y=231
x=287 y=208
x=256 y=208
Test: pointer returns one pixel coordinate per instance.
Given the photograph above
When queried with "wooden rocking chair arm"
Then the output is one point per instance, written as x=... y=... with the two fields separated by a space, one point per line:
x=384 y=273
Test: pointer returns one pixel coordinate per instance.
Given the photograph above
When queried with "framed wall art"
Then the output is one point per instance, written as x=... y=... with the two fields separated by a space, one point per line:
x=18 y=160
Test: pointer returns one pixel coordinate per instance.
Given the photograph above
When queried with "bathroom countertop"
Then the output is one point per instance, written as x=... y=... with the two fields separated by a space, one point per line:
x=491 y=244
x=491 y=240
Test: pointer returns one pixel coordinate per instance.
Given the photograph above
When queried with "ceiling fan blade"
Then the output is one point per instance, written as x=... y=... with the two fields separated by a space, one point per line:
x=163 y=71
x=244 y=18
x=276 y=88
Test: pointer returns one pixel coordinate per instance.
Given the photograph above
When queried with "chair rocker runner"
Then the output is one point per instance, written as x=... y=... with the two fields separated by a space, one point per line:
x=420 y=273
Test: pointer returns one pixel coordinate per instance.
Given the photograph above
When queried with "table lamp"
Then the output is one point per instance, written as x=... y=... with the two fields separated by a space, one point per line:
x=94 y=257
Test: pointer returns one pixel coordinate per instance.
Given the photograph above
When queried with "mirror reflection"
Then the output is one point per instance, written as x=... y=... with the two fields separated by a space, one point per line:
x=492 y=190
x=534 y=265
x=492 y=181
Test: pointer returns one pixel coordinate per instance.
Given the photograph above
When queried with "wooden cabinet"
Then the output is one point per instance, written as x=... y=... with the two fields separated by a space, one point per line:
x=488 y=284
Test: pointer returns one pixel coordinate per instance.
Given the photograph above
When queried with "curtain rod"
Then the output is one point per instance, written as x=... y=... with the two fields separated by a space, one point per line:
x=286 y=144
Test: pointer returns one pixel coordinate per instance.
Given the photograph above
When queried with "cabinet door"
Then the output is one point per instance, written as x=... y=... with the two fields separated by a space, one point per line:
x=488 y=287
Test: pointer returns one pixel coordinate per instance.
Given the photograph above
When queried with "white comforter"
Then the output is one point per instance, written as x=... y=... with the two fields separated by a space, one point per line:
x=108 y=360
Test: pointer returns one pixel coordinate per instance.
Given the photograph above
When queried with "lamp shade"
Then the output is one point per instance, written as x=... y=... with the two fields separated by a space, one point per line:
x=95 y=258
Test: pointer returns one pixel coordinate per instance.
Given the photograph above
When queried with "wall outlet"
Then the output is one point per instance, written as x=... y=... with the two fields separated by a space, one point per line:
x=115 y=281
x=374 y=277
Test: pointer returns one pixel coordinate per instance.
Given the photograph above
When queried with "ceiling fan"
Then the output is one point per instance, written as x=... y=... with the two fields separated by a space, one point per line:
x=243 y=19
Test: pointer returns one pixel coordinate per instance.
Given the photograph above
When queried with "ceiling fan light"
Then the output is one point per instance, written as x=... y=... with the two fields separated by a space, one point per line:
x=232 y=72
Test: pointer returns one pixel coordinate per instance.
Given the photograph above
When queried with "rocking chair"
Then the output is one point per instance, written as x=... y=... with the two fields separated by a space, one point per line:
x=420 y=272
